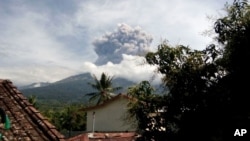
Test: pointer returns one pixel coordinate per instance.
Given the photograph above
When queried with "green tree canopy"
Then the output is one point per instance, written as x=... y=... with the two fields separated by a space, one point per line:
x=207 y=98
x=72 y=118
x=68 y=118
x=144 y=109
x=189 y=75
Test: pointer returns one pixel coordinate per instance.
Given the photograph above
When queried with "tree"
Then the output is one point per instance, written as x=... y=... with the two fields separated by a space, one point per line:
x=207 y=97
x=104 y=89
x=233 y=33
x=144 y=111
x=72 y=118
x=68 y=118
x=188 y=74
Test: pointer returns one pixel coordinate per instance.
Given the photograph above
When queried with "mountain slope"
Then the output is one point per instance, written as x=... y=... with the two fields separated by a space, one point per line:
x=71 y=89
x=35 y=85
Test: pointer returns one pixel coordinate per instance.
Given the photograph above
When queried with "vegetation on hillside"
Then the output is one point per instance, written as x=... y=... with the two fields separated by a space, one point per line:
x=69 y=90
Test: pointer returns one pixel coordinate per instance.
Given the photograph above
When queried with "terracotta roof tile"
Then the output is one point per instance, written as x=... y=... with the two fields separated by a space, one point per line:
x=27 y=123
x=105 y=136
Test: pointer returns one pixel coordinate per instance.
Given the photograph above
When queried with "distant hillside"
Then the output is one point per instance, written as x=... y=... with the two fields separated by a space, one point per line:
x=35 y=85
x=71 y=89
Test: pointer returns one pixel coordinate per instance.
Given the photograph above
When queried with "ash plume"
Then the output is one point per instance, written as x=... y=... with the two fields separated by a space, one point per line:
x=124 y=40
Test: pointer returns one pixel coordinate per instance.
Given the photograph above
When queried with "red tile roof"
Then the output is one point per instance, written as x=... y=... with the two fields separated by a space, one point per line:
x=81 y=137
x=107 y=136
x=119 y=136
x=27 y=123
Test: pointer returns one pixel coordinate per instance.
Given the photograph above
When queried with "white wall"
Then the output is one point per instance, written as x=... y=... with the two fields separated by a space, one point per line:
x=110 y=117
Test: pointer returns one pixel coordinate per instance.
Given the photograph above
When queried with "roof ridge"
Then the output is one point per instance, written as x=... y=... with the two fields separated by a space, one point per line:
x=110 y=100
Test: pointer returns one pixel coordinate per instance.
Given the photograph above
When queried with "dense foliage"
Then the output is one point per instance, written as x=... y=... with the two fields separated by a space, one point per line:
x=68 y=118
x=207 y=97
x=145 y=114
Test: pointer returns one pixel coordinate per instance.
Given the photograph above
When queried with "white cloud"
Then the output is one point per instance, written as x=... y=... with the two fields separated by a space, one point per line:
x=131 y=67
x=54 y=38
x=23 y=75
x=180 y=22
x=26 y=38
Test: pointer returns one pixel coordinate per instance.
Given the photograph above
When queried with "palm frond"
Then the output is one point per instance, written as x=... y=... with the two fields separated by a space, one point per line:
x=91 y=94
x=94 y=97
x=104 y=88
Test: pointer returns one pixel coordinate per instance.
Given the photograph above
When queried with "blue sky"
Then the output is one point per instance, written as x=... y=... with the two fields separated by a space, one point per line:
x=47 y=40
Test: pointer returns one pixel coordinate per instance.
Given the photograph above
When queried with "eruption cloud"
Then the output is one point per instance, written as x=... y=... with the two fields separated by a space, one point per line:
x=124 y=40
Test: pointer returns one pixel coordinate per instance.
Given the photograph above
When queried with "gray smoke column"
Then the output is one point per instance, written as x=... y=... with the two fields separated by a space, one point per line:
x=124 y=40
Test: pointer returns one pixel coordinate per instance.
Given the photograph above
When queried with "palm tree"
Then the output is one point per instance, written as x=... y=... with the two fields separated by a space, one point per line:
x=104 y=88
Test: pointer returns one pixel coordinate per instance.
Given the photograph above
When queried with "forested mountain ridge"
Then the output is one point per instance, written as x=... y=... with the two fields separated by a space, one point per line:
x=70 y=89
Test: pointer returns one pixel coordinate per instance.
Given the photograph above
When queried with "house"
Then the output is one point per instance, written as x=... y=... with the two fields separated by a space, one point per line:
x=107 y=122
x=109 y=116
x=26 y=122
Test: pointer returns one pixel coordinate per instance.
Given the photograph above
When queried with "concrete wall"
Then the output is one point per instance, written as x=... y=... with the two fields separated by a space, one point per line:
x=110 y=117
